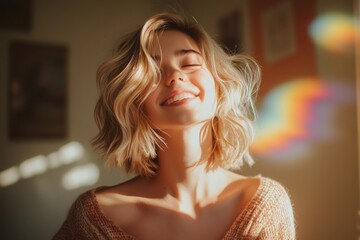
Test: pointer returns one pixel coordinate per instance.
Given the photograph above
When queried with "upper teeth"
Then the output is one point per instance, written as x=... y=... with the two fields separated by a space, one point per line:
x=179 y=97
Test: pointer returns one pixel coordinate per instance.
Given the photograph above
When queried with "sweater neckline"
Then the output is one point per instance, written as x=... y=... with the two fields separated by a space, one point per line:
x=104 y=219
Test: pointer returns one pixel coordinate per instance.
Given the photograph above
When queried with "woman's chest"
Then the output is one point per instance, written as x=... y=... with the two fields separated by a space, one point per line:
x=160 y=222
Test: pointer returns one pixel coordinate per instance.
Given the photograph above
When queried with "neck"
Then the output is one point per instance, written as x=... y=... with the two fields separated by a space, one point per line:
x=180 y=171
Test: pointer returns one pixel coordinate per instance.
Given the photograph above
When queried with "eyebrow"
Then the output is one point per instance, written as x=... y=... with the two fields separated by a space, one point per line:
x=180 y=52
x=185 y=51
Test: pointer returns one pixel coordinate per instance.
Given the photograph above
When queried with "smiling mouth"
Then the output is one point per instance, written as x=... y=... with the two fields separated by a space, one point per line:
x=179 y=97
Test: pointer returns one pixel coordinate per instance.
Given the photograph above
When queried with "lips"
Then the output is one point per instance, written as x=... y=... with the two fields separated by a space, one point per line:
x=178 y=96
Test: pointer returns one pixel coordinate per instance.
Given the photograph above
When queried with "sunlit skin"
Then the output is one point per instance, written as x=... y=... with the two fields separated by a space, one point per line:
x=183 y=201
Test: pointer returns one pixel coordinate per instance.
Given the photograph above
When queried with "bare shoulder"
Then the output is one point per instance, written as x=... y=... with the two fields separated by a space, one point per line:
x=237 y=182
x=245 y=188
x=124 y=193
x=120 y=190
x=259 y=185
x=121 y=200
x=267 y=196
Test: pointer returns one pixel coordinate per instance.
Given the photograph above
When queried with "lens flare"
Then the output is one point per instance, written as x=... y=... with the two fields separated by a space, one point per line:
x=335 y=32
x=296 y=113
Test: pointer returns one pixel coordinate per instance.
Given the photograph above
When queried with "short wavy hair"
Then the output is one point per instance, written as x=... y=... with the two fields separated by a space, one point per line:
x=126 y=138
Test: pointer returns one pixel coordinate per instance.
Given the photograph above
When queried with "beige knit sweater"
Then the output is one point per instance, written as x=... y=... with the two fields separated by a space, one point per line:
x=269 y=215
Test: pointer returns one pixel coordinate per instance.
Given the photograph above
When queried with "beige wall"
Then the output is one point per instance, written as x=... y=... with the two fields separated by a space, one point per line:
x=324 y=186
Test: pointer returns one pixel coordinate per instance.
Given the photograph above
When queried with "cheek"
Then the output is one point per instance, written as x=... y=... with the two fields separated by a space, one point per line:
x=211 y=94
x=209 y=86
x=150 y=107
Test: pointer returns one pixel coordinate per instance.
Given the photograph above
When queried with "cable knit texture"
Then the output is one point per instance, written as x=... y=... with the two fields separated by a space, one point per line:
x=269 y=215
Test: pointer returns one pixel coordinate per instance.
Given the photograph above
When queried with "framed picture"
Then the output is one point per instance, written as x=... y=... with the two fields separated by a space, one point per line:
x=37 y=91
x=278 y=31
x=280 y=41
x=230 y=32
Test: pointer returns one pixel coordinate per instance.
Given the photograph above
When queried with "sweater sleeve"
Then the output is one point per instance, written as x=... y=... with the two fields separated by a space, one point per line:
x=86 y=221
x=76 y=224
x=278 y=216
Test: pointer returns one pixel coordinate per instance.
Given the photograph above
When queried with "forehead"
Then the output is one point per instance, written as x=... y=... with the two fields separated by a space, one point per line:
x=171 y=41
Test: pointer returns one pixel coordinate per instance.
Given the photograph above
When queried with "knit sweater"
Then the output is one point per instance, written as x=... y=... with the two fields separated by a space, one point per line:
x=268 y=215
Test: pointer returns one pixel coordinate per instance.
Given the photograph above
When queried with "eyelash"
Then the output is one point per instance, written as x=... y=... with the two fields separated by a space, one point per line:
x=192 y=65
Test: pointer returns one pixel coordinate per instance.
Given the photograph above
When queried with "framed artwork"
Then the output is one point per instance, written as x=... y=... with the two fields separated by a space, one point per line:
x=280 y=41
x=230 y=32
x=37 y=91
x=278 y=30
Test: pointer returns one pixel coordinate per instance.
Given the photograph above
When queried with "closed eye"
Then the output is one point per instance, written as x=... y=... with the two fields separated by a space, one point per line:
x=189 y=68
x=191 y=65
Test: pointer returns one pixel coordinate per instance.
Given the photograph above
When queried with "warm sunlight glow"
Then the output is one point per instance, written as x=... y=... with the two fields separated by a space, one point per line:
x=71 y=152
x=53 y=160
x=40 y=164
x=296 y=113
x=335 y=32
x=33 y=166
x=9 y=177
x=81 y=176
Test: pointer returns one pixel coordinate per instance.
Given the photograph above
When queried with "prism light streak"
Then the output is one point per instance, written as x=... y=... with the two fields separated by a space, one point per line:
x=285 y=114
x=335 y=32
x=296 y=113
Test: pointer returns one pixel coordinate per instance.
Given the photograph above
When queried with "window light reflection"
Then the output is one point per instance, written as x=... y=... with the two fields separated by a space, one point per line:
x=9 y=176
x=67 y=154
x=70 y=152
x=33 y=166
x=80 y=176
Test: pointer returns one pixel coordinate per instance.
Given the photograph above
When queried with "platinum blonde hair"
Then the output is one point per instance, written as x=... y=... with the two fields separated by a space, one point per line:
x=126 y=138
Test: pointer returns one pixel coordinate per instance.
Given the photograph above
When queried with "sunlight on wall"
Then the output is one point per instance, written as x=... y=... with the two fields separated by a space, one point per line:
x=85 y=175
x=296 y=113
x=33 y=166
x=335 y=32
x=69 y=153
x=9 y=176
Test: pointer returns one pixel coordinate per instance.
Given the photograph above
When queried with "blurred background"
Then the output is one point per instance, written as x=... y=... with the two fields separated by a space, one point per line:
x=307 y=129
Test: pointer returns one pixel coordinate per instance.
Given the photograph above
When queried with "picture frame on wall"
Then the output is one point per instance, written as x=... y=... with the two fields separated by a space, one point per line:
x=278 y=29
x=37 y=97
x=230 y=32
x=280 y=40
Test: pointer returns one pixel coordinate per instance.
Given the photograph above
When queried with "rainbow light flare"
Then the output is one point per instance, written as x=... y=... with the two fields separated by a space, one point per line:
x=335 y=32
x=296 y=112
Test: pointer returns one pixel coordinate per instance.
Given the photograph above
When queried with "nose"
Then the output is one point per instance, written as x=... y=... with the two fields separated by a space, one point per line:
x=173 y=76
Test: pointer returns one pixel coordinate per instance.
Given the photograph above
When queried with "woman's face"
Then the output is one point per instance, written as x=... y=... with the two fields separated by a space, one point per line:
x=186 y=92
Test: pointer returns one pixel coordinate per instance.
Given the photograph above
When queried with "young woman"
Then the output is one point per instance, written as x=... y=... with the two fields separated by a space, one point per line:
x=177 y=110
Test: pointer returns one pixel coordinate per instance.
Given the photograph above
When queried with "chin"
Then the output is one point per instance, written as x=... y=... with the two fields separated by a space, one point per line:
x=184 y=122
